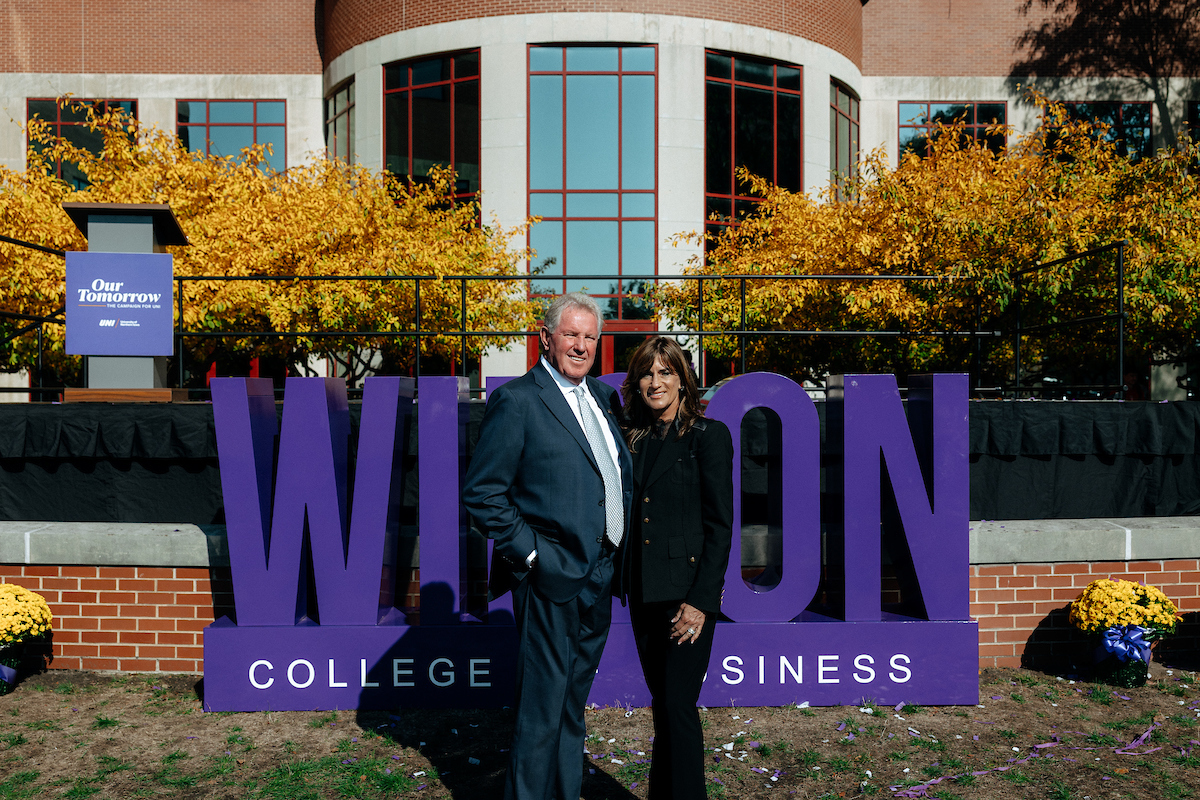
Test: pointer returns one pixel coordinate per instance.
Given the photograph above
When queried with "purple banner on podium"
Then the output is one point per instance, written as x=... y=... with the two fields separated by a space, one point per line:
x=119 y=304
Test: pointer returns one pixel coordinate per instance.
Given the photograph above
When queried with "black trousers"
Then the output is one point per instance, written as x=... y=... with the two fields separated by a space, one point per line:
x=674 y=674
x=558 y=651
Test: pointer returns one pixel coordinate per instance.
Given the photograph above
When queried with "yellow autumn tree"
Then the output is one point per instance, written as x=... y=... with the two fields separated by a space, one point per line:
x=970 y=218
x=242 y=220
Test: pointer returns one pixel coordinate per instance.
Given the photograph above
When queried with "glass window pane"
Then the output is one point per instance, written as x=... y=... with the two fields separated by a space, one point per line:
x=430 y=71
x=751 y=70
x=546 y=240
x=591 y=249
x=545 y=59
x=276 y=137
x=545 y=131
x=466 y=133
x=591 y=205
x=754 y=115
x=466 y=65
x=350 y=94
x=430 y=128
x=789 y=78
x=396 y=156
x=349 y=156
x=75 y=111
x=229 y=140
x=185 y=137
x=637 y=59
x=271 y=112
x=591 y=59
x=128 y=106
x=844 y=102
x=637 y=132
x=84 y=138
x=637 y=205
x=721 y=207
x=948 y=113
x=853 y=109
x=341 y=137
x=395 y=76
x=591 y=114
x=637 y=248
x=788 y=127
x=1136 y=114
x=546 y=204
x=188 y=111
x=914 y=139
x=44 y=109
x=716 y=65
x=990 y=113
x=843 y=147
x=230 y=111
x=913 y=114
x=718 y=134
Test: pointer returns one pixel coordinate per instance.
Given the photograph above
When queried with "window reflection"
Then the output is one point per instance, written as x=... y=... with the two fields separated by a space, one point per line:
x=843 y=138
x=431 y=118
x=1128 y=124
x=918 y=120
x=339 y=123
x=592 y=170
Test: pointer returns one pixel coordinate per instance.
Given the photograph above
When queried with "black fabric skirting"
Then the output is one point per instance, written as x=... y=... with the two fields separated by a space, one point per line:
x=1029 y=460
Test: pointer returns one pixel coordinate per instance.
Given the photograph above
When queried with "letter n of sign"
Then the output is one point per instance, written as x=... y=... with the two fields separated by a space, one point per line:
x=266 y=540
x=928 y=469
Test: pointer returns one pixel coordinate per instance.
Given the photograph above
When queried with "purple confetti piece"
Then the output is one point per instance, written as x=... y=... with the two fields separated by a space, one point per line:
x=191 y=737
x=1123 y=697
x=387 y=771
x=753 y=745
x=981 y=773
x=997 y=697
x=841 y=726
x=911 y=733
x=1105 y=778
x=395 y=758
x=633 y=785
x=422 y=786
x=759 y=770
x=1046 y=744
x=976 y=737
x=850 y=737
x=893 y=736
x=898 y=706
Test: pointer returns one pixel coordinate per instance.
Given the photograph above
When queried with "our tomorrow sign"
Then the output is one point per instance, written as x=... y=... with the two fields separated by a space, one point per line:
x=773 y=651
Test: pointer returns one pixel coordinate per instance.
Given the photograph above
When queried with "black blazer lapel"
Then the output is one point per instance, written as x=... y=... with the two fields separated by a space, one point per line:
x=671 y=451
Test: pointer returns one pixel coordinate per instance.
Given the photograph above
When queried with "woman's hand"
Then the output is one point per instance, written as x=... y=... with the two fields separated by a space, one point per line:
x=687 y=623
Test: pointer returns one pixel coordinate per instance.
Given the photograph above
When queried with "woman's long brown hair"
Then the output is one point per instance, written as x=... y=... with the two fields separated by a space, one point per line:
x=638 y=419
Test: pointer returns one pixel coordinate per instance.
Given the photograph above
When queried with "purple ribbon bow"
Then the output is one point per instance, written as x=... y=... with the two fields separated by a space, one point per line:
x=8 y=674
x=1127 y=642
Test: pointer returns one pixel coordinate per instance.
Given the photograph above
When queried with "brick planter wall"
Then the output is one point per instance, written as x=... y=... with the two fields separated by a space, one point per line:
x=150 y=619
x=1022 y=608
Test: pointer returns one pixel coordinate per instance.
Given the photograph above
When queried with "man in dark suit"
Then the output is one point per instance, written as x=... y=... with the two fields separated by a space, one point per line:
x=550 y=482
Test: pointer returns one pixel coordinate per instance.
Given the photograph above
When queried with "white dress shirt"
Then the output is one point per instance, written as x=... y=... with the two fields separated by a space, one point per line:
x=568 y=390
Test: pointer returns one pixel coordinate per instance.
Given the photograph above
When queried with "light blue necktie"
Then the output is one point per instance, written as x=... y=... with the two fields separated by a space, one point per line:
x=614 y=506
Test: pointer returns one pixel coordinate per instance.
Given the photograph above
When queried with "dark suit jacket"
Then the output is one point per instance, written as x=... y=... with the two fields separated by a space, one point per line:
x=683 y=517
x=534 y=484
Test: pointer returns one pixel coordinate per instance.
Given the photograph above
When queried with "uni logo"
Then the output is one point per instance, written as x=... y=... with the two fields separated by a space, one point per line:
x=108 y=323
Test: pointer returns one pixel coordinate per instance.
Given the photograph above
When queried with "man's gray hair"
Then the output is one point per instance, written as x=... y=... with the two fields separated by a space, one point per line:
x=572 y=300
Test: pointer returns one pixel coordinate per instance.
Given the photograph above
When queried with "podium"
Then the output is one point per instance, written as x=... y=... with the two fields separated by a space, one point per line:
x=124 y=336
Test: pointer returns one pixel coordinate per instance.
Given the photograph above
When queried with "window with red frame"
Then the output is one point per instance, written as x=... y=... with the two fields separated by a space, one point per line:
x=227 y=127
x=1128 y=124
x=339 y=123
x=70 y=123
x=843 y=137
x=593 y=172
x=918 y=123
x=431 y=117
x=753 y=119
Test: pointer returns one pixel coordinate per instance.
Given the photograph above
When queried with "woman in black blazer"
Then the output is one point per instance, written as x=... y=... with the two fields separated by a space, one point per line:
x=678 y=549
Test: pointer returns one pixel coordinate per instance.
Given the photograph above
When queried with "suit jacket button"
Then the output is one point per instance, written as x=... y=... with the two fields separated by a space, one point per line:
x=599 y=540
x=647 y=541
x=646 y=519
x=645 y=499
x=692 y=559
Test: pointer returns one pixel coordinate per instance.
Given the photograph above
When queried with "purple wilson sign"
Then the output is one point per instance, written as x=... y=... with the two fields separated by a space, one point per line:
x=364 y=654
x=119 y=304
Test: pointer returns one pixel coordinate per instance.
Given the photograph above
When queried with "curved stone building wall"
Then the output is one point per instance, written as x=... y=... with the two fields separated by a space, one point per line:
x=836 y=24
